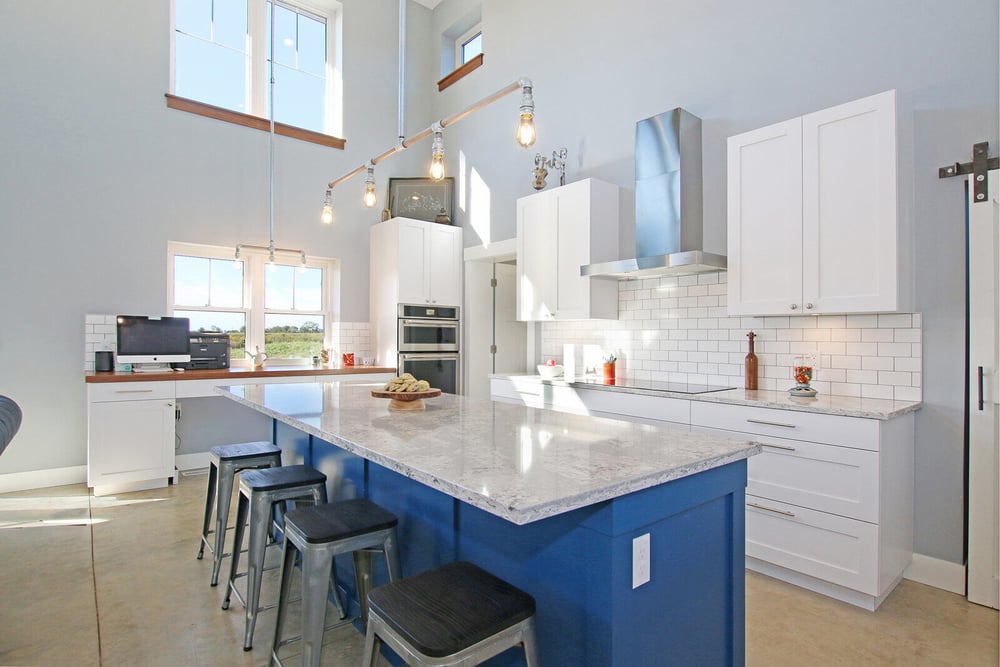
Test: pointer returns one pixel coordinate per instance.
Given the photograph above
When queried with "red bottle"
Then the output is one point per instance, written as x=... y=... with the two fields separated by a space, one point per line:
x=750 y=364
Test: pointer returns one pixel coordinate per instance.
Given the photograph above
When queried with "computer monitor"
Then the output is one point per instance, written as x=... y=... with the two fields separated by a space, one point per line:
x=153 y=341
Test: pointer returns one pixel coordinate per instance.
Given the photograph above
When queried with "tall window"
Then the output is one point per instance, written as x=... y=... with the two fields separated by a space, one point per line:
x=285 y=309
x=469 y=45
x=222 y=55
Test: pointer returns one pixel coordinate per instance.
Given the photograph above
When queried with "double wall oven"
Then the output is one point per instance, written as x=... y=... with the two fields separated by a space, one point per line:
x=428 y=342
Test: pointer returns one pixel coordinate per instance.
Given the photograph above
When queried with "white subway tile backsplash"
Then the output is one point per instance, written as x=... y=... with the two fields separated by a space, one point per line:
x=678 y=329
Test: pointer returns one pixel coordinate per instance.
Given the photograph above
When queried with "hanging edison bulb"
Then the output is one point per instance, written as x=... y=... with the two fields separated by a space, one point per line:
x=327 y=217
x=437 y=154
x=370 y=199
x=526 y=125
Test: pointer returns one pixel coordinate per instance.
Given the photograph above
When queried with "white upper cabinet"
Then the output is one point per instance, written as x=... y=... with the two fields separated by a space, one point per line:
x=558 y=231
x=812 y=213
x=421 y=262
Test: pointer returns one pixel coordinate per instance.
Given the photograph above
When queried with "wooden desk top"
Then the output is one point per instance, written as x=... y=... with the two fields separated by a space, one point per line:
x=236 y=374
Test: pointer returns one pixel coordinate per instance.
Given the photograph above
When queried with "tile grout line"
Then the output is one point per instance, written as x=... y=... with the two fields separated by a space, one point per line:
x=93 y=576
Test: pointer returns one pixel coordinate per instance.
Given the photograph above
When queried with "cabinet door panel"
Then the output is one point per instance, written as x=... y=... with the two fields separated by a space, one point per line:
x=765 y=220
x=573 y=250
x=849 y=206
x=444 y=266
x=536 y=238
x=413 y=283
x=130 y=441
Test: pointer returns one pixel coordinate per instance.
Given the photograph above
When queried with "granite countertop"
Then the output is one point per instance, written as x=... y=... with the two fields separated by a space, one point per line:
x=845 y=406
x=521 y=464
x=232 y=373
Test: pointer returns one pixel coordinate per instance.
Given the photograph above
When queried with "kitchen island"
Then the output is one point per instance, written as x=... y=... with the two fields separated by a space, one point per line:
x=550 y=502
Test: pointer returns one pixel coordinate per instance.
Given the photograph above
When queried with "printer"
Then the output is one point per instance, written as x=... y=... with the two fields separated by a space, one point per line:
x=209 y=350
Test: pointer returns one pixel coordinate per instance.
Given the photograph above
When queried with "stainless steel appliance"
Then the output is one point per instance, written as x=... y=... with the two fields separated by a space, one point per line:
x=428 y=345
x=427 y=329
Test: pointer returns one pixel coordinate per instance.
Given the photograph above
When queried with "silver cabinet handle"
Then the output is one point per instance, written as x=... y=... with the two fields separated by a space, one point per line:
x=770 y=509
x=767 y=423
x=980 y=388
x=809 y=306
x=795 y=306
x=787 y=449
x=133 y=391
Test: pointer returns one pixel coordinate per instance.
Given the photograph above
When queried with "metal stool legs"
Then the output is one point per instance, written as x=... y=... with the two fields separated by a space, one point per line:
x=259 y=506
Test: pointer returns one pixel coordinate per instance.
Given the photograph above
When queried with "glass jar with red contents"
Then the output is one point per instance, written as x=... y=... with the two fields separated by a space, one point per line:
x=803 y=368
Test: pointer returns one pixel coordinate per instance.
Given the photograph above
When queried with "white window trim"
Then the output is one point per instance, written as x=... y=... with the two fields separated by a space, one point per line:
x=257 y=68
x=462 y=39
x=255 y=262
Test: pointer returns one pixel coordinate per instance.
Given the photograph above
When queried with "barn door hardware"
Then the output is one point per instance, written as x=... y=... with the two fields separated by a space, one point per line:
x=980 y=165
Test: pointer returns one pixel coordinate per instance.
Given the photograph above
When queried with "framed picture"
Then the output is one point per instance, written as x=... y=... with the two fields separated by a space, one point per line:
x=421 y=198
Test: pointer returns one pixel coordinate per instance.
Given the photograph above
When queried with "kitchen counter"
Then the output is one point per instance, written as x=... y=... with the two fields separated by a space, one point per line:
x=517 y=463
x=554 y=503
x=845 y=406
x=234 y=374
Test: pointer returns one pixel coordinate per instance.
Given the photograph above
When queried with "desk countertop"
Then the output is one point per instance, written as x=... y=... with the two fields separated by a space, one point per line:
x=235 y=374
x=521 y=464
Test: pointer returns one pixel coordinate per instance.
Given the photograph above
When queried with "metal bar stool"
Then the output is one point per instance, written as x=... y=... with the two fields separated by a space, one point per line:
x=226 y=461
x=260 y=491
x=319 y=533
x=456 y=614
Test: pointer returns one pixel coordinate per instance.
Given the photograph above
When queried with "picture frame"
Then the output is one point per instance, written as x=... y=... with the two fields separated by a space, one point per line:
x=421 y=198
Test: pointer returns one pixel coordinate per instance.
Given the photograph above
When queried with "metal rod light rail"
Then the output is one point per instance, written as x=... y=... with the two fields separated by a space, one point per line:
x=525 y=134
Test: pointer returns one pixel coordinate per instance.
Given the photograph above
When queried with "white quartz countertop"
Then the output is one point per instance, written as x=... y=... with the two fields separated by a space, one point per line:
x=521 y=464
x=845 y=406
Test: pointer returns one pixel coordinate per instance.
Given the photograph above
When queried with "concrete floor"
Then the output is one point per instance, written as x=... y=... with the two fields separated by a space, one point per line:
x=114 y=581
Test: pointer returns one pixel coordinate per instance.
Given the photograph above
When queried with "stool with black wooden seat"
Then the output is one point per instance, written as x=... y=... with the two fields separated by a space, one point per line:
x=319 y=533
x=456 y=614
x=225 y=462
x=260 y=492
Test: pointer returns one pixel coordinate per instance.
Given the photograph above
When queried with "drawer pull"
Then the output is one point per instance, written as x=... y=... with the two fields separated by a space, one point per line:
x=767 y=423
x=771 y=509
x=133 y=391
x=787 y=449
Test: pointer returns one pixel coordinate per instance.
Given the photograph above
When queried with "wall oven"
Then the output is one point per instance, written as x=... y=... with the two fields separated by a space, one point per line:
x=427 y=329
x=428 y=344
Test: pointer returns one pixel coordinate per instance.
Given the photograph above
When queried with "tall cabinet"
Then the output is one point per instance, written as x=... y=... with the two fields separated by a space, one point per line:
x=558 y=231
x=413 y=262
x=812 y=213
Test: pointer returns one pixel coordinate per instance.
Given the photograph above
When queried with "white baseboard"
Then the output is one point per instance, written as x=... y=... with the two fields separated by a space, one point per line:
x=936 y=572
x=192 y=461
x=40 y=479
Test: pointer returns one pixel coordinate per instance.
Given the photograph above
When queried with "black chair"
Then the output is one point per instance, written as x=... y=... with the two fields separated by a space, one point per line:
x=10 y=421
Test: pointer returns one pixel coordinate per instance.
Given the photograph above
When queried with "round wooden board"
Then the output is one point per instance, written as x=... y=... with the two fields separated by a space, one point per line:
x=406 y=400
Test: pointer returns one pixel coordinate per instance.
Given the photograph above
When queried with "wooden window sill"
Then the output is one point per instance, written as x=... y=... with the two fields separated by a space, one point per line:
x=256 y=122
x=460 y=73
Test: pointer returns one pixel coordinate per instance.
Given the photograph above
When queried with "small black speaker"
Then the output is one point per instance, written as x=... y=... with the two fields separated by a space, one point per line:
x=104 y=361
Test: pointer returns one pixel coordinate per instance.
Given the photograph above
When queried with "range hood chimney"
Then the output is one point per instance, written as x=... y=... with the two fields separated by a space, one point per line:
x=668 y=203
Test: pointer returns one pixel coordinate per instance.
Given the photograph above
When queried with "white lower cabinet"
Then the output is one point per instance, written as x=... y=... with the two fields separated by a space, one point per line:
x=829 y=500
x=830 y=504
x=130 y=438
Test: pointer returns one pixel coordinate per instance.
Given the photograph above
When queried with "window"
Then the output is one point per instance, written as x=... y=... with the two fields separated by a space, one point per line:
x=222 y=55
x=469 y=45
x=285 y=309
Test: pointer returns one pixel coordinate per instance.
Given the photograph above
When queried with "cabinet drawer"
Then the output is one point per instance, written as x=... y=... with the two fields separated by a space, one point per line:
x=829 y=429
x=829 y=547
x=129 y=391
x=838 y=480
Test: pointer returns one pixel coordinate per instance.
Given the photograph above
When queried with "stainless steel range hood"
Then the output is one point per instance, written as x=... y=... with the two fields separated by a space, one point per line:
x=668 y=203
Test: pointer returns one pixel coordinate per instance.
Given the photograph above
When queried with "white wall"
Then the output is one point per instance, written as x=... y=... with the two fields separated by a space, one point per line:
x=97 y=176
x=600 y=67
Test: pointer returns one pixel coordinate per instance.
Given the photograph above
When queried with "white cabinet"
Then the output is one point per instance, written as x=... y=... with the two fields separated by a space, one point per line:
x=420 y=261
x=130 y=438
x=812 y=221
x=558 y=231
x=829 y=500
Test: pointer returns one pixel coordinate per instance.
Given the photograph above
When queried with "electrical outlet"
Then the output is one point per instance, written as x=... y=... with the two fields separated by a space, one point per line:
x=640 y=560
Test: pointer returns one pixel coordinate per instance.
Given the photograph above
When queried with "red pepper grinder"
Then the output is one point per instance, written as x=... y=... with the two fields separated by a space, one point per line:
x=750 y=363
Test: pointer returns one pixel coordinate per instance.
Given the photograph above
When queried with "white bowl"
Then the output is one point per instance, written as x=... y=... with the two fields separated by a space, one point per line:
x=549 y=372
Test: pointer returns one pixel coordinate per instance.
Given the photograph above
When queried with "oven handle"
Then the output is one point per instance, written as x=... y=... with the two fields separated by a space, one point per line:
x=429 y=324
x=410 y=356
